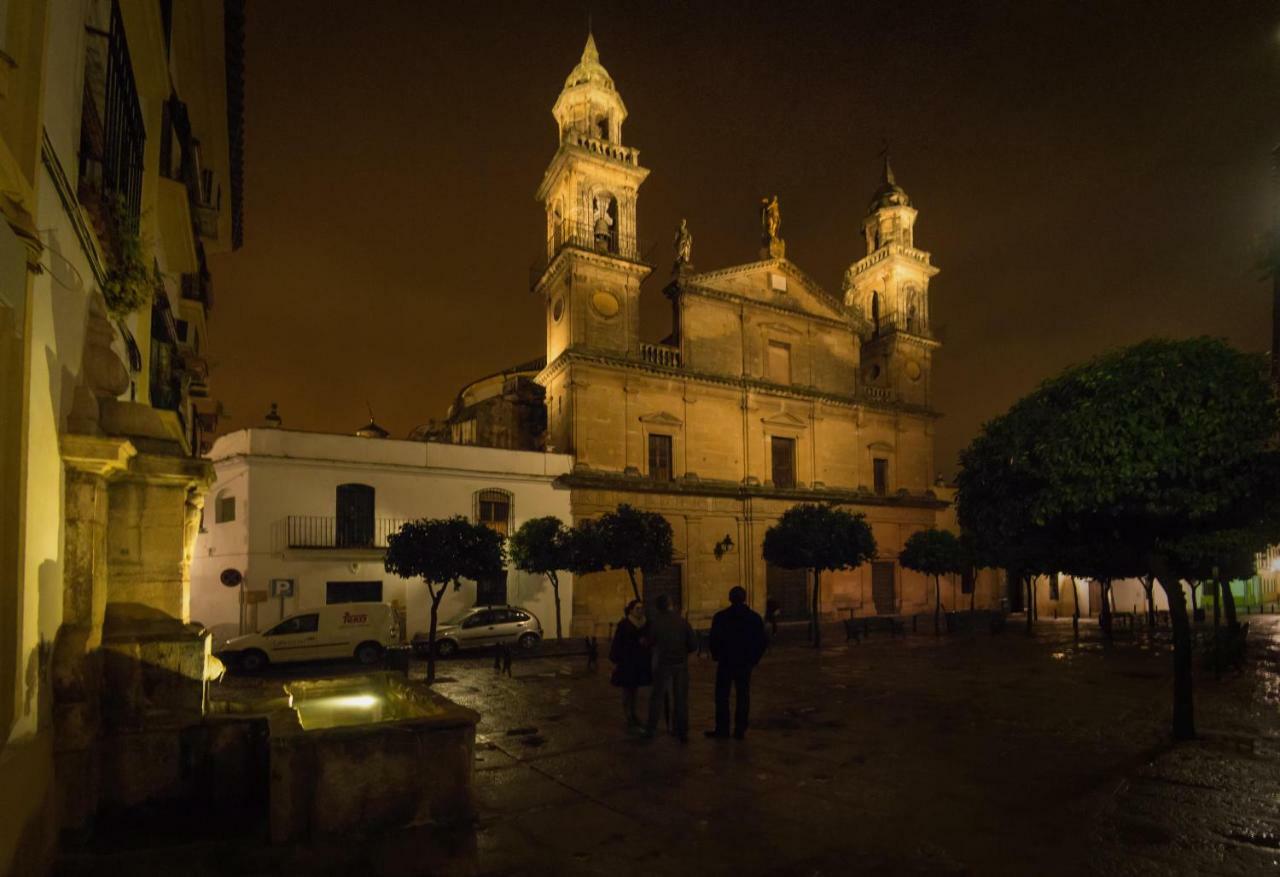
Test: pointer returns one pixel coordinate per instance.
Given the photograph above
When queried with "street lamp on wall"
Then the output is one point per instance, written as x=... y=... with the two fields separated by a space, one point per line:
x=723 y=547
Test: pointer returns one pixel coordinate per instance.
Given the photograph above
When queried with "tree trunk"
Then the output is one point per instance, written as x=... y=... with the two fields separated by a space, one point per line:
x=937 y=605
x=1228 y=604
x=555 y=592
x=1104 y=614
x=635 y=590
x=1149 y=585
x=1184 y=726
x=1075 y=615
x=436 y=596
x=817 y=628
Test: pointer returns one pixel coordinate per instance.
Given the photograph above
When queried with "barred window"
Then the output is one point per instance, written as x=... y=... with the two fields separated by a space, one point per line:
x=493 y=509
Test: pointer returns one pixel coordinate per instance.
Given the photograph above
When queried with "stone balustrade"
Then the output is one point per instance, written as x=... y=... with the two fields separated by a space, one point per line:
x=660 y=354
x=608 y=149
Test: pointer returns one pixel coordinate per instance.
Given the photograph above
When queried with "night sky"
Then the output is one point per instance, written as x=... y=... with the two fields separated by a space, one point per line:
x=1087 y=175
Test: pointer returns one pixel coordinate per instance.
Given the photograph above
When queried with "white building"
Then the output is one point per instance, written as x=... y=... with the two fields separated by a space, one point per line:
x=304 y=517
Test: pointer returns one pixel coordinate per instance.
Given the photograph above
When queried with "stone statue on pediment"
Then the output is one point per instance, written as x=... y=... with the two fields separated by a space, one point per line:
x=772 y=246
x=684 y=246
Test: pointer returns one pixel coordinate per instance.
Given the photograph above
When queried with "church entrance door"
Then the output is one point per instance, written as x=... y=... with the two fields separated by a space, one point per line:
x=789 y=588
x=665 y=582
x=882 y=587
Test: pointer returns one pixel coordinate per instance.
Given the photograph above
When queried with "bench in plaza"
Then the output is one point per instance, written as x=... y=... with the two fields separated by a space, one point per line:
x=857 y=629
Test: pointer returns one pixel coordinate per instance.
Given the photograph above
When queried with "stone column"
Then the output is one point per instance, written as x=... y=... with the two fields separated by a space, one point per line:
x=77 y=671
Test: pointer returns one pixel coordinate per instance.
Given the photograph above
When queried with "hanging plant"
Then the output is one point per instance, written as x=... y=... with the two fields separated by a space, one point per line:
x=129 y=284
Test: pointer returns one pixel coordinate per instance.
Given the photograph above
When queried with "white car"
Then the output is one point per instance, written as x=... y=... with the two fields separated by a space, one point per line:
x=484 y=626
x=343 y=630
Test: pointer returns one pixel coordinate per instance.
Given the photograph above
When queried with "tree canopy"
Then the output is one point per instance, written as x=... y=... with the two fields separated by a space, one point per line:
x=1118 y=465
x=626 y=538
x=819 y=538
x=544 y=546
x=934 y=552
x=444 y=551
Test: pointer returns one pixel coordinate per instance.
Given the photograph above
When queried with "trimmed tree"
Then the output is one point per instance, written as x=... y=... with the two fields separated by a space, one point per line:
x=934 y=553
x=443 y=552
x=627 y=538
x=542 y=546
x=1146 y=447
x=819 y=538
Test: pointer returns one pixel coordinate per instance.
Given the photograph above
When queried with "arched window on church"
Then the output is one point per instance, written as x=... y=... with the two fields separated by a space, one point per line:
x=913 y=309
x=602 y=127
x=605 y=222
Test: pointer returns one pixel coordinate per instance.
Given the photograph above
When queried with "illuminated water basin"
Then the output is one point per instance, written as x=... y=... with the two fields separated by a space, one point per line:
x=365 y=701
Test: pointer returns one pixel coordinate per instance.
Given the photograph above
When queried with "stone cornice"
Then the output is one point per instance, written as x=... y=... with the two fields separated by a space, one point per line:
x=567 y=150
x=593 y=357
x=586 y=479
x=561 y=261
x=99 y=455
x=899 y=336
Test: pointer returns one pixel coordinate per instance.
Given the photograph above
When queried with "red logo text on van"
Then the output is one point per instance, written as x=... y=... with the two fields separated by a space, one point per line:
x=348 y=618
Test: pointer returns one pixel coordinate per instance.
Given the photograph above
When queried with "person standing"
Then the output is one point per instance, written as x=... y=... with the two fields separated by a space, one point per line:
x=738 y=642
x=629 y=653
x=673 y=640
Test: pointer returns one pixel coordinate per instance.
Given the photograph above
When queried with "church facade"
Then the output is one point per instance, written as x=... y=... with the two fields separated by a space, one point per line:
x=770 y=391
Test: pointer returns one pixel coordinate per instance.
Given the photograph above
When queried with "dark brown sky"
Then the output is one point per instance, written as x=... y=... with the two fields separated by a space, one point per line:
x=1087 y=175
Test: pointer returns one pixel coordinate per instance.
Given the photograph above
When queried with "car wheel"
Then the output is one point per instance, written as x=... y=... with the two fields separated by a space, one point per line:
x=368 y=653
x=253 y=660
x=528 y=640
x=446 y=647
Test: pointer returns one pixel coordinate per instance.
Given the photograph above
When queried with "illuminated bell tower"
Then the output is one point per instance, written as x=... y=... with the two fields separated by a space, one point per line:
x=589 y=278
x=890 y=286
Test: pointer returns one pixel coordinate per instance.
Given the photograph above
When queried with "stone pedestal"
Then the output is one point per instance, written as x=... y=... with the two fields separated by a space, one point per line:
x=128 y=671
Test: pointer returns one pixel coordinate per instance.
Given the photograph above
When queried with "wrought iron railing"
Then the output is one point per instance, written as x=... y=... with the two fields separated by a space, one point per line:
x=585 y=236
x=321 y=531
x=660 y=354
x=113 y=133
x=910 y=322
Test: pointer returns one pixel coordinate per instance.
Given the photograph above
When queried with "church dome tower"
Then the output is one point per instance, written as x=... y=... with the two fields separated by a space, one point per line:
x=890 y=286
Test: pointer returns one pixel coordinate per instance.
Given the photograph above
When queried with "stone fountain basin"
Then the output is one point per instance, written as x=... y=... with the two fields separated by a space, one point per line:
x=368 y=753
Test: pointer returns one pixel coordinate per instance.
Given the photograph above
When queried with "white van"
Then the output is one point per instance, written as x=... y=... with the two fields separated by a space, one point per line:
x=343 y=630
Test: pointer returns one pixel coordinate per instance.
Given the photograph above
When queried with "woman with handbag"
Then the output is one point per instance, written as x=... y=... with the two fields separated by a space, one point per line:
x=632 y=668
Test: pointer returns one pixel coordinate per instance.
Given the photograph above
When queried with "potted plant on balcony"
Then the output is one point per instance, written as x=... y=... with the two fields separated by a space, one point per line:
x=129 y=283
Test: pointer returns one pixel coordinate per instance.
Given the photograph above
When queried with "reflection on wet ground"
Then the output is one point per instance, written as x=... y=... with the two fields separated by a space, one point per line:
x=1008 y=754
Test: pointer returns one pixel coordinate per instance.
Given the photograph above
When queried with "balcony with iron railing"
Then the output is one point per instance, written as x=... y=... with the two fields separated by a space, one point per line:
x=584 y=236
x=326 y=532
x=112 y=133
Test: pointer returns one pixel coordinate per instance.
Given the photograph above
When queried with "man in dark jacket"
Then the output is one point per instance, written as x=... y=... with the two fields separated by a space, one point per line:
x=737 y=643
x=672 y=640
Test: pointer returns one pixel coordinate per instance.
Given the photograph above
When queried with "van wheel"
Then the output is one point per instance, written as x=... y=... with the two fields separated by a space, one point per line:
x=368 y=653
x=528 y=640
x=253 y=660
x=446 y=647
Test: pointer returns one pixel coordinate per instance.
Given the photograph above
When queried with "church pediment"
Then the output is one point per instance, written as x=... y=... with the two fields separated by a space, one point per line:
x=661 y=418
x=784 y=419
x=776 y=282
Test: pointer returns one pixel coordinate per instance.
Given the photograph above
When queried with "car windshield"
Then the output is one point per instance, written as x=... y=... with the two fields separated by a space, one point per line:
x=460 y=617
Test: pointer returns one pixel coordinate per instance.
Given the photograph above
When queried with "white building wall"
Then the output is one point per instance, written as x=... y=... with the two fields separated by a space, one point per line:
x=278 y=473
